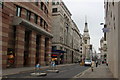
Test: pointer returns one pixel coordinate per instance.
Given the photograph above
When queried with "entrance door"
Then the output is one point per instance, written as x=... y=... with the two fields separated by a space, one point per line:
x=26 y=52
x=10 y=58
x=37 y=48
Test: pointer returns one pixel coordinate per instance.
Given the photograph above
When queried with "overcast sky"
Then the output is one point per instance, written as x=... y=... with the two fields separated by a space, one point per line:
x=94 y=10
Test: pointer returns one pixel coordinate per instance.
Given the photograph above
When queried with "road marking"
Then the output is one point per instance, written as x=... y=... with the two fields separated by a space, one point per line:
x=82 y=73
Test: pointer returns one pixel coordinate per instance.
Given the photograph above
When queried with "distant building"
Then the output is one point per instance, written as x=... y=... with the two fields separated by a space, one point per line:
x=67 y=38
x=76 y=43
x=103 y=49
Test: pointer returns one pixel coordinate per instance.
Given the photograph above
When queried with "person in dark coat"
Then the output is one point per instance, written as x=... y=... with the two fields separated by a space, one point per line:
x=96 y=63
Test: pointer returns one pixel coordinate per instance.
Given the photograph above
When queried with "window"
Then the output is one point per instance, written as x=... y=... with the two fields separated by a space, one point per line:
x=113 y=3
x=41 y=6
x=61 y=48
x=54 y=10
x=111 y=14
x=45 y=10
x=44 y=25
x=54 y=47
x=35 y=18
x=85 y=41
x=57 y=3
x=114 y=25
x=1 y=4
x=36 y=2
x=114 y=18
x=41 y=21
x=53 y=3
x=18 y=11
x=28 y=15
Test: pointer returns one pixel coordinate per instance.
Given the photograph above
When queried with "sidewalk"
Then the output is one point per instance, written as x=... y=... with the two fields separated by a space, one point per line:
x=102 y=71
x=25 y=69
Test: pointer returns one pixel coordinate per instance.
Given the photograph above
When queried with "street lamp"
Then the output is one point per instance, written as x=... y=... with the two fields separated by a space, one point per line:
x=105 y=30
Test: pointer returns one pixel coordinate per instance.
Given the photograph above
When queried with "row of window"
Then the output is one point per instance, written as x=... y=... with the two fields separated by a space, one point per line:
x=56 y=2
x=28 y=17
x=42 y=6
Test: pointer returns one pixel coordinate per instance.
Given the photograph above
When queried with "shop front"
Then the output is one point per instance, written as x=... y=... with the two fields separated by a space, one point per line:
x=58 y=56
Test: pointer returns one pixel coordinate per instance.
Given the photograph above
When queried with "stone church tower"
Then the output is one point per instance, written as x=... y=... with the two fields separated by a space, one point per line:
x=86 y=42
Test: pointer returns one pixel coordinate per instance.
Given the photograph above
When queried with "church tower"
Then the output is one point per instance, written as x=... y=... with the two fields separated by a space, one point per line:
x=86 y=36
x=86 y=41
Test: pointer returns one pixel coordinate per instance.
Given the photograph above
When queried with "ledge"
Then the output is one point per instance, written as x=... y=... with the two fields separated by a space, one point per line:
x=18 y=21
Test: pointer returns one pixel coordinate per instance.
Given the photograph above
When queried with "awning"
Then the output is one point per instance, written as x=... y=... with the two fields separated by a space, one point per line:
x=58 y=51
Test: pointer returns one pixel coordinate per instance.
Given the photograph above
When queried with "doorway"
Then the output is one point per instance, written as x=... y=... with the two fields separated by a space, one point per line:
x=26 y=51
x=37 y=48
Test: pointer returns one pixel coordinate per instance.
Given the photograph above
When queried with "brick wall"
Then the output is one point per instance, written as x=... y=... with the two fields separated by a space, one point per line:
x=17 y=41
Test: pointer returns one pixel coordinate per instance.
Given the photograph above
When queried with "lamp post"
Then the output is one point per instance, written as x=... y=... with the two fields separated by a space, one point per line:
x=105 y=30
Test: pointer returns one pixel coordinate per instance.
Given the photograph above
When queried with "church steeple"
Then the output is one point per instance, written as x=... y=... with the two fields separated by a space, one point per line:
x=86 y=31
x=86 y=25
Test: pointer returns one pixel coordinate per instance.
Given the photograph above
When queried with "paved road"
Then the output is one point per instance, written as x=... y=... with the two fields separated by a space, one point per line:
x=64 y=72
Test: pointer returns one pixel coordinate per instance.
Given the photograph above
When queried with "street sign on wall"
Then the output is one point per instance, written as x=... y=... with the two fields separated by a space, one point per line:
x=106 y=30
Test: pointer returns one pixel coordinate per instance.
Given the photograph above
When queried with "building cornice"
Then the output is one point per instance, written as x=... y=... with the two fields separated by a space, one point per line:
x=18 y=21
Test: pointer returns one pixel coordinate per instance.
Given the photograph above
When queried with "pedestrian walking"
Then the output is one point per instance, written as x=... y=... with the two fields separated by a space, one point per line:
x=96 y=63
x=53 y=65
x=37 y=67
x=92 y=65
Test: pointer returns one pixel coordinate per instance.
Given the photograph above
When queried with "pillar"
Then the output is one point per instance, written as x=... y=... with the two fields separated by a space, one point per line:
x=4 y=44
x=19 y=46
x=48 y=52
x=32 y=49
x=42 y=50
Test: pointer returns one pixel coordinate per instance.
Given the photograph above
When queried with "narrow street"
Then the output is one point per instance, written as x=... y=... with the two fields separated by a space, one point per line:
x=64 y=72
x=60 y=39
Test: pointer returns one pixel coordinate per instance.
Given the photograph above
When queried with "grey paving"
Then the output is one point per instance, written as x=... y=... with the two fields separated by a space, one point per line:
x=102 y=71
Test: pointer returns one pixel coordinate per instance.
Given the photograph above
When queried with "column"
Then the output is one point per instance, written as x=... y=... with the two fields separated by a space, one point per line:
x=4 y=44
x=19 y=46
x=32 y=49
x=48 y=52
x=42 y=50
x=65 y=57
x=58 y=57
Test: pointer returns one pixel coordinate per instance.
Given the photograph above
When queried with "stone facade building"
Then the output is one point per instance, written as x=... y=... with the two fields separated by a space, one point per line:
x=76 y=43
x=112 y=22
x=66 y=34
x=26 y=33
x=103 y=49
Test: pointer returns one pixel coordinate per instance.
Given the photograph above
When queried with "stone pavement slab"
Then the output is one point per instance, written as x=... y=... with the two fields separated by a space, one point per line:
x=102 y=71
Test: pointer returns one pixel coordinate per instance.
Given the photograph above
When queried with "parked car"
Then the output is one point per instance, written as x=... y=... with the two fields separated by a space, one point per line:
x=88 y=62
